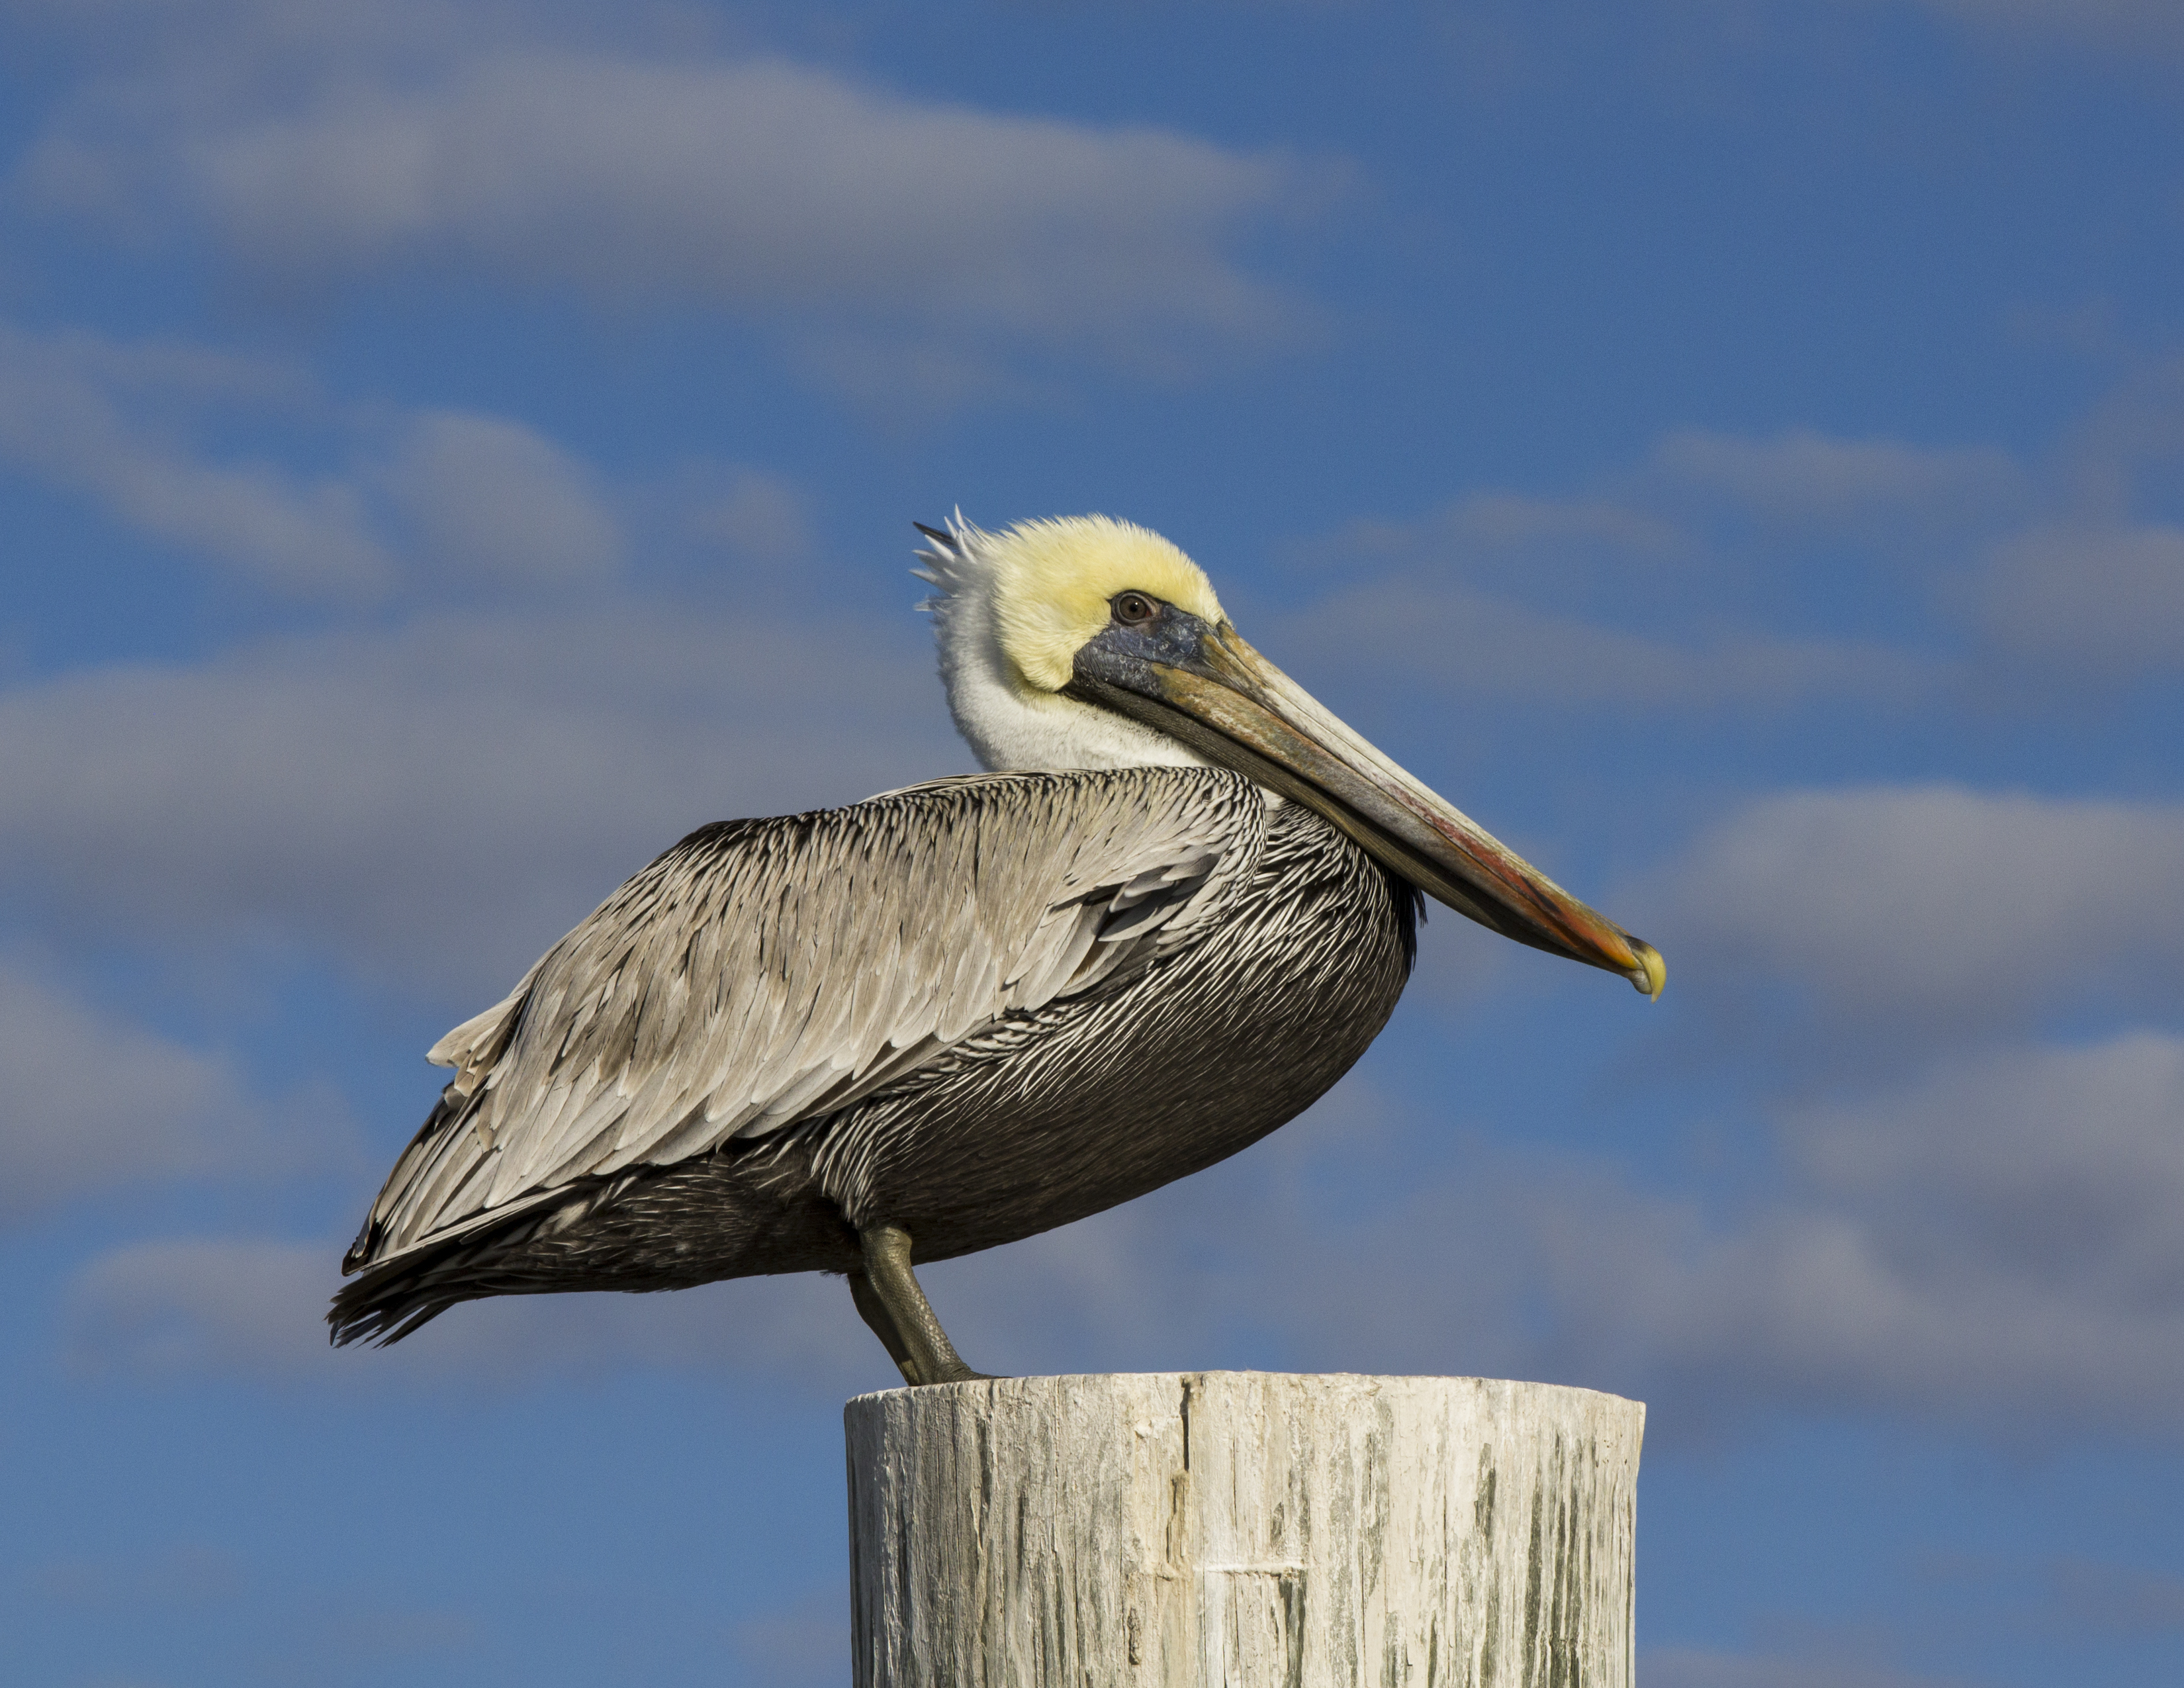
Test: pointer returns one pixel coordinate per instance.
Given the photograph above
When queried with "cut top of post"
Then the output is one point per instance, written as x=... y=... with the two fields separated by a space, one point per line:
x=1209 y=1528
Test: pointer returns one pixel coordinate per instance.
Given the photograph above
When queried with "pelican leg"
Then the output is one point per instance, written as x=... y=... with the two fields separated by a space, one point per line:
x=873 y=1311
x=888 y=1300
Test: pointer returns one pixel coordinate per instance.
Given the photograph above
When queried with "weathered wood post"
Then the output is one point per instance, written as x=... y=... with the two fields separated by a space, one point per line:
x=1190 y=1529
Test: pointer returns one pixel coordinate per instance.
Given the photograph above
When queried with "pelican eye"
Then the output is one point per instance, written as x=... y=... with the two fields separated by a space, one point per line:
x=1134 y=609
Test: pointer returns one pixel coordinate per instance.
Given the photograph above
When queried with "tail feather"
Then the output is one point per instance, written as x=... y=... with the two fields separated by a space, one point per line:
x=389 y=1300
x=643 y=1230
x=394 y=1295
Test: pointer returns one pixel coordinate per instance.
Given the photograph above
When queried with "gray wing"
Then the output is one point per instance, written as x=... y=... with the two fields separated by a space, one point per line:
x=763 y=972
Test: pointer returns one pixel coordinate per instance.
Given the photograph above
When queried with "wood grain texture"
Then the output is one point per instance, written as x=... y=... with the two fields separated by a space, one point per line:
x=1189 y=1529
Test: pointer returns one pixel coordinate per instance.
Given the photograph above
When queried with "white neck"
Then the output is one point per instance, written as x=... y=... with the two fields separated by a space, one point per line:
x=1008 y=722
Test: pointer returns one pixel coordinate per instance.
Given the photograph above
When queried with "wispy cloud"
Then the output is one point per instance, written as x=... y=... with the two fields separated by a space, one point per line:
x=1434 y=636
x=856 y=219
x=1705 y=1668
x=2107 y=24
x=369 y=789
x=422 y=498
x=1924 y=912
x=450 y=794
x=1647 y=590
x=2084 y=1595
x=803 y=1646
x=95 y=1103
x=78 y=411
x=1980 y=1245
x=253 y=1309
x=2062 y=1164
x=1808 y=477
x=2097 y=602
x=488 y=497
x=183 y=1575
x=1677 y=583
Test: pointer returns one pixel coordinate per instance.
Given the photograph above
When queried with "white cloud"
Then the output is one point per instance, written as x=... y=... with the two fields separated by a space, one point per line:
x=276 y=35
x=457 y=789
x=1538 y=547
x=74 y=412
x=2099 y=602
x=2113 y=1599
x=490 y=497
x=1513 y=520
x=2122 y=24
x=757 y=185
x=804 y=1644
x=1802 y=475
x=1656 y=518
x=93 y=1102
x=470 y=498
x=447 y=797
x=1703 y=1668
x=1992 y=1246
x=2063 y=1166
x=1643 y=592
x=1650 y=588
x=189 y=1574
x=747 y=514
x=254 y=1309
x=1929 y=910
x=1993 y=1242
x=1445 y=638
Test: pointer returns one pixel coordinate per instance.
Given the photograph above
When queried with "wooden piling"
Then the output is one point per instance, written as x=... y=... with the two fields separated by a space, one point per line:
x=1258 y=1530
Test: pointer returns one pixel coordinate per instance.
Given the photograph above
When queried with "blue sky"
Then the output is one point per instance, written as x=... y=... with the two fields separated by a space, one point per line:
x=1733 y=447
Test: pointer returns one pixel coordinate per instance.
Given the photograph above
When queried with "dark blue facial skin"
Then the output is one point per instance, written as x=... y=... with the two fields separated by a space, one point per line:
x=1123 y=651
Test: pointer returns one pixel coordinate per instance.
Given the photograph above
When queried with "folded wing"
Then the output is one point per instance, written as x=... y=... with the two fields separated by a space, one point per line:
x=763 y=972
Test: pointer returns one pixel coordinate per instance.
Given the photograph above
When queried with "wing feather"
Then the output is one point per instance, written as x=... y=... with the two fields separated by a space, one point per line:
x=765 y=972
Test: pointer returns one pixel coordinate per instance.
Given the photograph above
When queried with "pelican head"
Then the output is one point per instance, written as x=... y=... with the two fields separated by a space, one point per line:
x=1088 y=642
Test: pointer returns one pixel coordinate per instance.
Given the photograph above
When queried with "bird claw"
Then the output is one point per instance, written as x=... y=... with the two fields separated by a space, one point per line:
x=961 y=1374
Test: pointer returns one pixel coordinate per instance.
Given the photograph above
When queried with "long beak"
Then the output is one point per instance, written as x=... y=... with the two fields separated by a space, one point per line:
x=1229 y=704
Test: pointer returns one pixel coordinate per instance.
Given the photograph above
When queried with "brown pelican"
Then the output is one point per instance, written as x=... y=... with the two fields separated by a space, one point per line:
x=1178 y=906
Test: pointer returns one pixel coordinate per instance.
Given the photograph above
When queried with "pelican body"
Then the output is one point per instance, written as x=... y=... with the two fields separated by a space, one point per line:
x=1180 y=905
